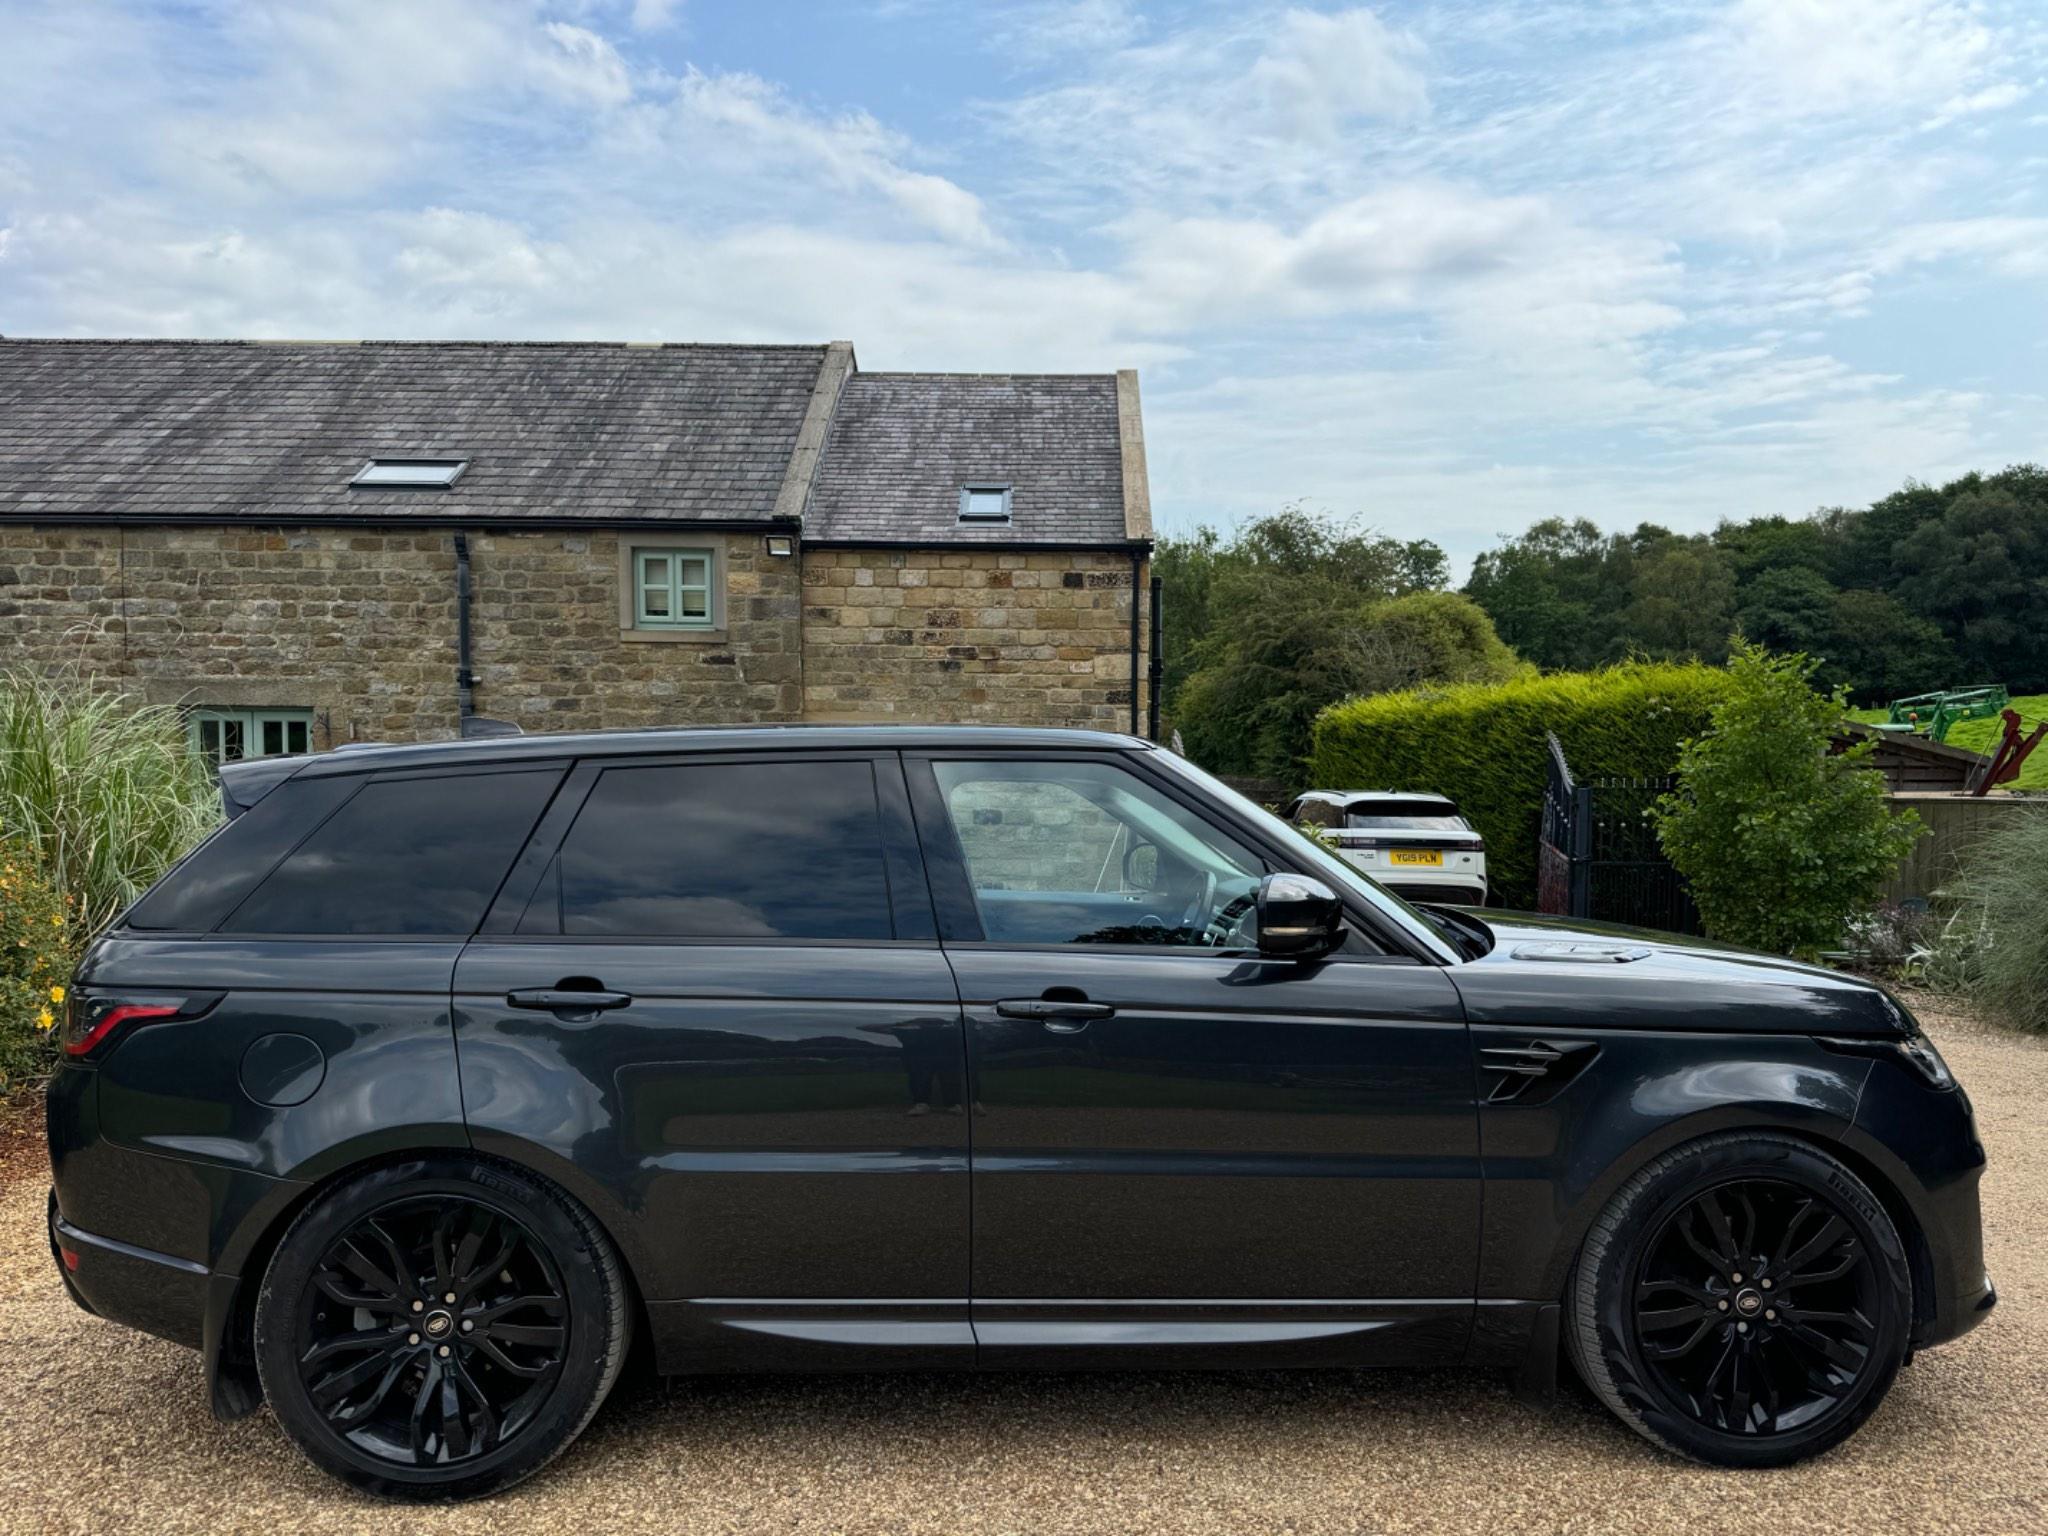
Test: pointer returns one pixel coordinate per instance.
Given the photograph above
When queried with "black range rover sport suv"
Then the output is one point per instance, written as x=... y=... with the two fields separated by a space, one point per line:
x=443 y=1075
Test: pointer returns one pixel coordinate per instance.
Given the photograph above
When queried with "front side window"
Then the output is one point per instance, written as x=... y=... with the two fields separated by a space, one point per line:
x=1088 y=853
x=673 y=589
x=230 y=735
x=765 y=850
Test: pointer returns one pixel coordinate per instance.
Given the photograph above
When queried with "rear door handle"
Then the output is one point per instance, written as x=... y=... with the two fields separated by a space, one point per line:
x=566 y=1000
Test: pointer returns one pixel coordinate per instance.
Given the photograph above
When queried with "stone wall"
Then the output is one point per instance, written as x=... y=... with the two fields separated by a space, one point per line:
x=986 y=636
x=552 y=654
x=60 y=591
x=360 y=627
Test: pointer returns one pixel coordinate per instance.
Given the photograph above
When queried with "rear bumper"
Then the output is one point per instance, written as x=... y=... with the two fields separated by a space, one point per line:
x=159 y=1293
x=1462 y=885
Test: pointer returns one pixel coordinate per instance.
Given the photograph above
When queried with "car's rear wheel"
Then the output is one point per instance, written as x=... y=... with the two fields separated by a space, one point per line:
x=1744 y=1300
x=440 y=1329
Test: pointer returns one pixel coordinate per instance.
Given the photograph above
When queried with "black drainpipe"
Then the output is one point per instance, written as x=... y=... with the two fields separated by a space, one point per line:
x=1136 y=558
x=1156 y=670
x=465 y=680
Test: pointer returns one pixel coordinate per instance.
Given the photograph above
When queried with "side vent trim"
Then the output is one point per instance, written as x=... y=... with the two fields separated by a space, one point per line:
x=1537 y=1072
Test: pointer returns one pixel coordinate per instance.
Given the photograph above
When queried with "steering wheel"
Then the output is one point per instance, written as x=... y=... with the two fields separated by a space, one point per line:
x=1223 y=930
x=1200 y=904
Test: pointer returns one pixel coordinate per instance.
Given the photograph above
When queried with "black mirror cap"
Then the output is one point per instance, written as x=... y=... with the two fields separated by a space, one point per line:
x=1299 y=917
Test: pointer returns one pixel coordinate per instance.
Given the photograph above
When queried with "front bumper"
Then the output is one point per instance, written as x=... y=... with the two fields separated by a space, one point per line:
x=1924 y=1141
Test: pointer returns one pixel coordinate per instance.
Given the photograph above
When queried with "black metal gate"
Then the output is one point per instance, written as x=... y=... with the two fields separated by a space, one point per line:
x=1598 y=855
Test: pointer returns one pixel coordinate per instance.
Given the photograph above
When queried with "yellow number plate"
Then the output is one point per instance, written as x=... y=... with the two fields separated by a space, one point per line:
x=1431 y=857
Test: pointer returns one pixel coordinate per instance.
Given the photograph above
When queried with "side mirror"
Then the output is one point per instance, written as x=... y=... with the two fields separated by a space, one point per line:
x=1141 y=867
x=1299 y=918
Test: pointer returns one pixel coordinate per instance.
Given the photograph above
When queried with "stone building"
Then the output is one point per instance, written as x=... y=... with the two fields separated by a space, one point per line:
x=305 y=544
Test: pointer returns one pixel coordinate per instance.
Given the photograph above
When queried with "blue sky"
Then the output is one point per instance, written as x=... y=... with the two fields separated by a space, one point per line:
x=1448 y=267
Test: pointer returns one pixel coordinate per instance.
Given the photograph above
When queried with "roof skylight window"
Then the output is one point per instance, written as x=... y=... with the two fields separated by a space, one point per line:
x=984 y=503
x=411 y=474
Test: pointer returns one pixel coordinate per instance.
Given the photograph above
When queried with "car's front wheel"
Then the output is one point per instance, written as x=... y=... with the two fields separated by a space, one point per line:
x=440 y=1328
x=1743 y=1300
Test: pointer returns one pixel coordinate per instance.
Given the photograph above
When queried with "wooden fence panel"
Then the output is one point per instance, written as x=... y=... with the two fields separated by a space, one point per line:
x=1954 y=823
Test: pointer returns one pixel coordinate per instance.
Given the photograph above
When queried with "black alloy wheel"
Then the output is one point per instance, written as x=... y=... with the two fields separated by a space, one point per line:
x=1744 y=1299
x=433 y=1331
x=441 y=1328
x=1756 y=1308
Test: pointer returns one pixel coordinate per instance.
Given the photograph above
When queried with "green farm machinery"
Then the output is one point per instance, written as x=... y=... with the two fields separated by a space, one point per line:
x=1931 y=714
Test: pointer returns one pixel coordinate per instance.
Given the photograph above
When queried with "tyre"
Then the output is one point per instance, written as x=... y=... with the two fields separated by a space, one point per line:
x=1744 y=1300
x=440 y=1328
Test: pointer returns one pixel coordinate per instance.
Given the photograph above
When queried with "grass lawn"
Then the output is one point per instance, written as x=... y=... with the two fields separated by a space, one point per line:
x=1982 y=736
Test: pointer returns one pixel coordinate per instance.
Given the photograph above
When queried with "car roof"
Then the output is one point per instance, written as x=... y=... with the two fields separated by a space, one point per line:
x=355 y=757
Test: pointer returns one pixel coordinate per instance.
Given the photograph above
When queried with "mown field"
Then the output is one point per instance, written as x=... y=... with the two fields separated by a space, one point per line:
x=1982 y=736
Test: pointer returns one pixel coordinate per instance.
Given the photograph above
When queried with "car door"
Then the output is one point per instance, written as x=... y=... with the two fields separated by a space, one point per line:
x=711 y=998
x=1181 y=1147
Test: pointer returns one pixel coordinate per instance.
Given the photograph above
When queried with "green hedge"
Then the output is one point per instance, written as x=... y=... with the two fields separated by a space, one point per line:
x=1482 y=744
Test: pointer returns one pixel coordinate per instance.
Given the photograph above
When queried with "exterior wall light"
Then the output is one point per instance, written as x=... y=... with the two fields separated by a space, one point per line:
x=781 y=544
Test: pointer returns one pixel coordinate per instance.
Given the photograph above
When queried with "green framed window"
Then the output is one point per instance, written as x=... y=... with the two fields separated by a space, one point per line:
x=673 y=588
x=229 y=735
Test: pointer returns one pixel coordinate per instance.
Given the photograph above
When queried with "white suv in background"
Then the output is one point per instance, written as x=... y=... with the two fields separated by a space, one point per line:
x=1415 y=845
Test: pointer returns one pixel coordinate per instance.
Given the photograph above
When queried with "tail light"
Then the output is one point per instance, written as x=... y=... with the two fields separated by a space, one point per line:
x=94 y=1020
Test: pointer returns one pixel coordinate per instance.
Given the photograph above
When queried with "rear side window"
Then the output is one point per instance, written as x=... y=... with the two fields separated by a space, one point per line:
x=788 y=850
x=403 y=856
x=215 y=877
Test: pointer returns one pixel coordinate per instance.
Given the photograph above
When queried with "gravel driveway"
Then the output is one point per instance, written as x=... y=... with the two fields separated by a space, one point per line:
x=104 y=1429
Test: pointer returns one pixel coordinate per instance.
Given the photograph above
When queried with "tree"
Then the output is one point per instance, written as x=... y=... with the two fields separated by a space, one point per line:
x=1981 y=573
x=1262 y=681
x=1554 y=593
x=1782 y=839
x=1788 y=608
x=1879 y=649
x=1282 y=576
x=1682 y=603
x=1772 y=544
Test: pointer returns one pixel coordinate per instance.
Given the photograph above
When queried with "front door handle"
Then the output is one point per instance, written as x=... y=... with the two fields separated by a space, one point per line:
x=1061 y=1015
x=566 y=1000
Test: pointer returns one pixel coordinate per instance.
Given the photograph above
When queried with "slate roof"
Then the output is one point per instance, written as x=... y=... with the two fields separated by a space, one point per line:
x=227 y=431
x=903 y=444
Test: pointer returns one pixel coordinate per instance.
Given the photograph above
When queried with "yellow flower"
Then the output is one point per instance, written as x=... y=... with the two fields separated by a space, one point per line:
x=56 y=922
x=56 y=994
x=45 y=1019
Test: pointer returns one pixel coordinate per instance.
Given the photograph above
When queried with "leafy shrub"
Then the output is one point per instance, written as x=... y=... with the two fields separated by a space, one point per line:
x=1783 y=841
x=35 y=963
x=2002 y=904
x=98 y=790
x=1483 y=745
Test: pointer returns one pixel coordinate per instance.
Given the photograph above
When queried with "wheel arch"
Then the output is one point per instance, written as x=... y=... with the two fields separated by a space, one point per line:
x=1824 y=1133
x=228 y=1343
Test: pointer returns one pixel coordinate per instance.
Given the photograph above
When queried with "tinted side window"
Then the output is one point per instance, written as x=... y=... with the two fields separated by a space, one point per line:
x=404 y=856
x=787 y=850
x=217 y=875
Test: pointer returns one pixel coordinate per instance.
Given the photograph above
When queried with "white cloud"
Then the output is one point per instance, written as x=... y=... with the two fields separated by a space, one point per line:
x=580 y=65
x=1319 y=72
x=654 y=15
x=1820 y=56
x=751 y=120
